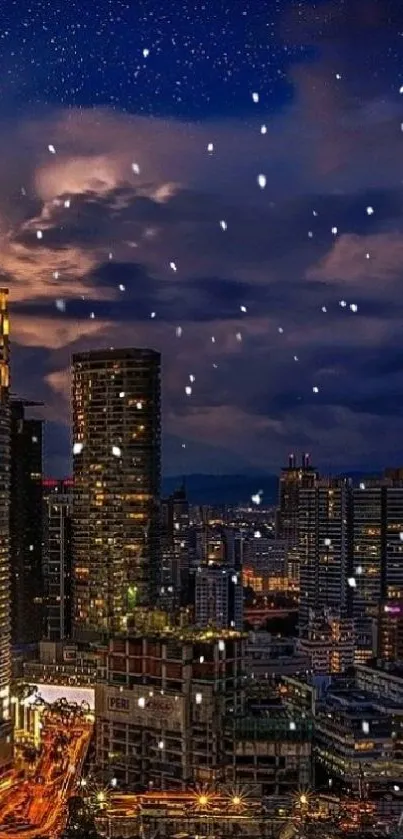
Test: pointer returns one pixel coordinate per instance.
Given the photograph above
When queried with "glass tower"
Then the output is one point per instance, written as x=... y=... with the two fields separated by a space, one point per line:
x=117 y=475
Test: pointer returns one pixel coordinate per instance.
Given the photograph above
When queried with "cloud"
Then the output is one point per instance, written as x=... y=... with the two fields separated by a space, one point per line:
x=110 y=233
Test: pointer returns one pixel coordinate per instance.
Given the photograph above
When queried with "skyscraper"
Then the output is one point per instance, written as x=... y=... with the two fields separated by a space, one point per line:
x=325 y=549
x=117 y=473
x=26 y=535
x=58 y=502
x=5 y=652
x=293 y=478
x=175 y=537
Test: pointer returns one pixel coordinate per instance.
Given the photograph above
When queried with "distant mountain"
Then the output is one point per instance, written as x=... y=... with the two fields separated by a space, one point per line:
x=224 y=489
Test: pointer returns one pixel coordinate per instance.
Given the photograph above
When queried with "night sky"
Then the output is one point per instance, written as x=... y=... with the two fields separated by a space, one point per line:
x=220 y=180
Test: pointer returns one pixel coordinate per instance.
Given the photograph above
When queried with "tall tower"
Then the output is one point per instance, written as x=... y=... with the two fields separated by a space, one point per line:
x=58 y=500
x=26 y=516
x=325 y=545
x=117 y=475
x=5 y=652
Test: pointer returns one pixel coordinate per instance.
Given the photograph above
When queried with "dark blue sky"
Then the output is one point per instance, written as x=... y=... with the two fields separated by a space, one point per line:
x=221 y=181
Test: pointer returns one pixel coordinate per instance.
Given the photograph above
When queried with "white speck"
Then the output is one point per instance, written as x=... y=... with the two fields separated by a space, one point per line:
x=198 y=698
x=210 y=147
x=328 y=542
x=314 y=213
x=324 y=309
x=353 y=307
x=188 y=390
x=367 y=256
x=146 y=52
x=296 y=358
x=263 y=129
x=121 y=287
x=281 y=330
x=51 y=148
x=352 y=582
x=401 y=536
x=39 y=234
x=257 y=497
x=215 y=366
x=359 y=570
x=401 y=89
x=310 y=234
x=292 y=726
x=56 y=275
x=67 y=203
x=223 y=224
x=178 y=331
x=136 y=168
x=192 y=378
x=370 y=211
x=141 y=702
x=161 y=744
x=139 y=405
x=255 y=97
x=261 y=179
x=212 y=339
x=110 y=255
x=152 y=315
x=61 y=305
x=243 y=308
x=77 y=448
x=257 y=534
x=338 y=76
x=173 y=266
x=315 y=389
x=116 y=451
x=365 y=727
x=362 y=486
x=122 y=394
x=238 y=336
x=334 y=231
x=343 y=304
x=92 y=315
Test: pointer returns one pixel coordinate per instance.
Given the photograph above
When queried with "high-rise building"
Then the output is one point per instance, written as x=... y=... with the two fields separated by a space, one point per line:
x=57 y=560
x=175 y=546
x=5 y=650
x=26 y=535
x=293 y=478
x=117 y=468
x=219 y=597
x=325 y=549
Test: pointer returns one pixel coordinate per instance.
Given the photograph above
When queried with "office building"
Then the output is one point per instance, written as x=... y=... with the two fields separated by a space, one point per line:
x=328 y=643
x=325 y=549
x=218 y=597
x=388 y=639
x=5 y=648
x=26 y=525
x=57 y=558
x=117 y=465
x=161 y=707
x=175 y=547
x=293 y=479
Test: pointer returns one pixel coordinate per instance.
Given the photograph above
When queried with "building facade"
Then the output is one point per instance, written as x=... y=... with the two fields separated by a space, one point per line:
x=26 y=525
x=219 y=597
x=117 y=471
x=160 y=711
x=58 y=503
x=5 y=628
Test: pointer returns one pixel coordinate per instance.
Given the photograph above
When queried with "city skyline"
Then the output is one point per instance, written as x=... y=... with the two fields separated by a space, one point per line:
x=238 y=191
